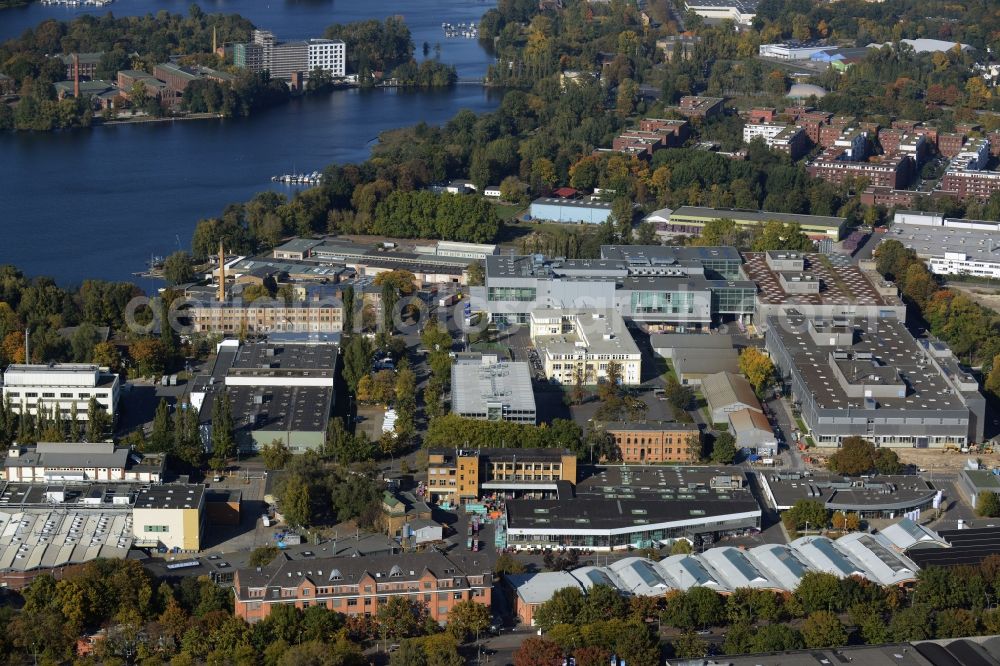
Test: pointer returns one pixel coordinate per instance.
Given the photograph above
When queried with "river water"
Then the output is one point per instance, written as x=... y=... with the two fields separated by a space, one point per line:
x=99 y=202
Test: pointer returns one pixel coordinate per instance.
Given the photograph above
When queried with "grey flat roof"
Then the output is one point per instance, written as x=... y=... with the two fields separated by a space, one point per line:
x=684 y=341
x=474 y=386
x=640 y=481
x=309 y=360
x=929 y=241
x=275 y=408
x=889 y=342
x=171 y=496
x=298 y=245
x=982 y=479
x=43 y=538
x=850 y=493
x=572 y=203
x=75 y=455
x=656 y=426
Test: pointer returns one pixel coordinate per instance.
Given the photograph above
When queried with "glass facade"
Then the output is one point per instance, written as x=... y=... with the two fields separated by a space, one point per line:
x=522 y=294
x=662 y=302
x=733 y=300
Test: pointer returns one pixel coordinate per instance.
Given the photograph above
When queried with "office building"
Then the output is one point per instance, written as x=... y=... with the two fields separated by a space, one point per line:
x=577 y=346
x=459 y=475
x=791 y=50
x=880 y=496
x=974 y=481
x=819 y=286
x=489 y=390
x=689 y=287
x=360 y=585
x=950 y=246
x=61 y=386
x=77 y=462
x=691 y=219
x=277 y=391
x=170 y=515
x=637 y=506
x=328 y=55
x=871 y=378
x=656 y=441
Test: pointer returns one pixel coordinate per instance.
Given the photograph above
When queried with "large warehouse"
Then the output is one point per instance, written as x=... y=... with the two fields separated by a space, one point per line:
x=880 y=558
x=872 y=379
x=621 y=507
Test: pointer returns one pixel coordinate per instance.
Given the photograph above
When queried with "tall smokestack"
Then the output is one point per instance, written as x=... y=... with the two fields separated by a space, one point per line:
x=222 y=273
x=214 y=42
x=76 y=75
x=27 y=346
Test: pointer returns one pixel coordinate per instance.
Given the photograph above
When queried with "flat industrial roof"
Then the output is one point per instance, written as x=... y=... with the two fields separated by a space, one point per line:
x=933 y=241
x=701 y=212
x=571 y=203
x=849 y=493
x=474 y=386
x=601 y=332
x=889 y=343
x=171 y=496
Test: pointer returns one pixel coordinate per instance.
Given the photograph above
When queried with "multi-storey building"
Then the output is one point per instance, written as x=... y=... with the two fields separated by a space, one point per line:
x=871 y=378
x=894 y=171
x=789 y=139
x=328 y=55
x=267 y=316
x=694 y=106
x=652 y=285
x=691 y=219
x=289 y=59
x=86 y=63
x=486 y=389
x=578 y=345
x=277 y=391
x=967 y=175
x=361 y=585
x=950 y=144
x=61 y=386
x=457 y=475
x=652 y=135
x=656 y=441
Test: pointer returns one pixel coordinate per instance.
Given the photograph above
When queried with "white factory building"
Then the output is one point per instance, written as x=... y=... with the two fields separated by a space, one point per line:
x=950 y=246
x=61 y=386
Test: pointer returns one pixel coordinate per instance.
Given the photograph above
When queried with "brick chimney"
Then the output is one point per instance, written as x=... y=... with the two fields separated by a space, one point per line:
x=222 y=273
x=76 y=75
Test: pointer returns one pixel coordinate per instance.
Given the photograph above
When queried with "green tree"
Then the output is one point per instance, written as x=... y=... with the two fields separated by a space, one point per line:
x=223 y=441
x=724 y=449
x=263 y=555
x=178 y=268
x=276 y=454
x=161 y=439
x=508 y=564
x=98 y=421
x=476 y=273
x=911 y=624
x=468 y=619
x=808 y=514
x=296 y=501
x=681 y=547
x=819 y=591
x=401 y=617
x=823 y=629
x=563 y=607
x=357 y=361
x=987 y=504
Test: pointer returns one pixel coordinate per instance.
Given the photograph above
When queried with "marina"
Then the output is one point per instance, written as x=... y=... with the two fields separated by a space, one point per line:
x=467 y=30
x=313 y=178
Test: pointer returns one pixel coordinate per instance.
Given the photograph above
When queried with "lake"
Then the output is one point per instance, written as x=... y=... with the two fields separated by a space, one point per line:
x=99 y=202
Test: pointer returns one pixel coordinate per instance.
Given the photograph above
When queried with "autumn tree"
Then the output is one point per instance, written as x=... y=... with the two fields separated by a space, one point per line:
x=758 y=368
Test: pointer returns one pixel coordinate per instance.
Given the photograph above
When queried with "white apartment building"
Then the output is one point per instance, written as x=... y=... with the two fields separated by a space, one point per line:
x=767 y=130
x=328 y=55
x=60 y=385
x=575 y=342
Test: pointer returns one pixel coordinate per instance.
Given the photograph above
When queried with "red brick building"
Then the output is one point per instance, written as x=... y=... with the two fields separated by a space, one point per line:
x=950 y=144
x=893 y=171
x=888 y=197
x=694 y=106
x=652 y=135
x=359 y=585
x=764 y=115
x=656 y=441
x=975 y=184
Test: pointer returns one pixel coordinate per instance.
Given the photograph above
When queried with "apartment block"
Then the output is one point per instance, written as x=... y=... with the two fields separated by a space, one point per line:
x=360 y=585
x=967 y=175
x=580 y=345
x=694 y=106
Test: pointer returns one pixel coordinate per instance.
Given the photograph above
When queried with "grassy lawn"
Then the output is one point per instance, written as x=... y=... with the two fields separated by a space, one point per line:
x=508 y=212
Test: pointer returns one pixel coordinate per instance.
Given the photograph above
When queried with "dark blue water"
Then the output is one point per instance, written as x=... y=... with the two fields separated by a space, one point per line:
x=99 y=202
